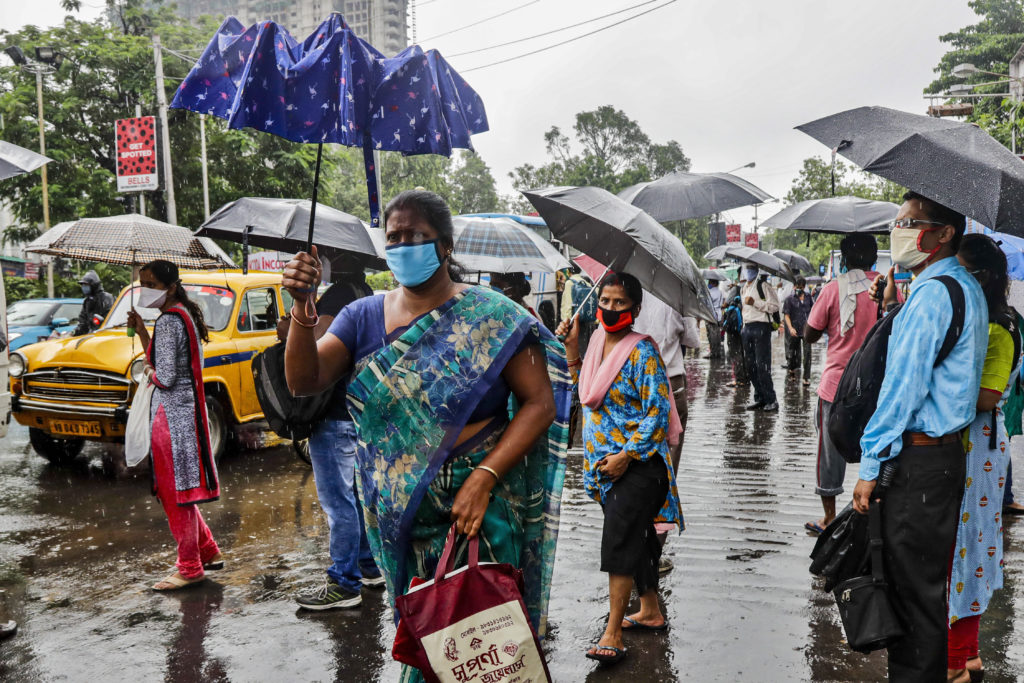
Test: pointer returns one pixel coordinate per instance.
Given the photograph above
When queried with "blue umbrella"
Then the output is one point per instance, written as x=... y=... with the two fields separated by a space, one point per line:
x=1013 y=247
x=333 y=87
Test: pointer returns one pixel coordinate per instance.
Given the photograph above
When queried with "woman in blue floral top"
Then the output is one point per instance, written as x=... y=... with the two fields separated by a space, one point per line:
x=630 y=422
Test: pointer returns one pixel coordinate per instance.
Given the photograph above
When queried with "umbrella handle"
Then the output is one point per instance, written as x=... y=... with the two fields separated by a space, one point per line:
x=590 y=293
x=316 y=187
x=372 y=191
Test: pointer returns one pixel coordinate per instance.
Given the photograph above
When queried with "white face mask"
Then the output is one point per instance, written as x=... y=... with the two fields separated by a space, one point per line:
x=151 y=298
x=905 y=247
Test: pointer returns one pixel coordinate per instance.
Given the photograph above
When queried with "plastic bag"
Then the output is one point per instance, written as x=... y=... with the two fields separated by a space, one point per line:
x=139 y=430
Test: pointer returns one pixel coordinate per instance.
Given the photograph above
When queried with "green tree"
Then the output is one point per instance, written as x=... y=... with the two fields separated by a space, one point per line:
x=989 y=44
x=609 y=150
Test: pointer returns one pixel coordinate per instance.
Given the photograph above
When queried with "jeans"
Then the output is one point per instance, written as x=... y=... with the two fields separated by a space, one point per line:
x=757 y=349
x=332 y=449
x=714 y=340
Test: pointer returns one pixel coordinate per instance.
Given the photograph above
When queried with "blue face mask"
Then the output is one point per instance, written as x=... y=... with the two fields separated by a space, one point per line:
x=86 y=289
x=413 y=264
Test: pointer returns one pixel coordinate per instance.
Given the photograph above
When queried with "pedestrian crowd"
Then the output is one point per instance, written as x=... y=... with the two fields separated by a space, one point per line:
x=454 y=405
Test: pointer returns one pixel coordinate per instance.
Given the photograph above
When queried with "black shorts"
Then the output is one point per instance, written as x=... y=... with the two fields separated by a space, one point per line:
x=629 y=544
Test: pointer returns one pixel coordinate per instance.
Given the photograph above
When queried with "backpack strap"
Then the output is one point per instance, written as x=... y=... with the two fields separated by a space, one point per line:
x=956 y=324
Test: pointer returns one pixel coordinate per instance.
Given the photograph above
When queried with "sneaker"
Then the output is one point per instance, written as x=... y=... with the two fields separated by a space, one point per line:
x=331 y=596
x=665 y=566
x=373 y=581
x=770 y=407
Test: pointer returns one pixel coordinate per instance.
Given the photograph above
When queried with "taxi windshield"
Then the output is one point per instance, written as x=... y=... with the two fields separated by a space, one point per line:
x=215 y=302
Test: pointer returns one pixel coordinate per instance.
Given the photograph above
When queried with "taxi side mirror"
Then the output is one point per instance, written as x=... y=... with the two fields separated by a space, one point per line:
x=59 y=322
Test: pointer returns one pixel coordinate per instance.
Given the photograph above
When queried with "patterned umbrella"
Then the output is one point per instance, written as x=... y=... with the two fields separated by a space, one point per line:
x=502 y=245
x=132 y=240
x=333 y=87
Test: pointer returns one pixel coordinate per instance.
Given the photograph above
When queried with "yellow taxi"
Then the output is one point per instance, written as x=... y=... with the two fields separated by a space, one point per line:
x=72 y=390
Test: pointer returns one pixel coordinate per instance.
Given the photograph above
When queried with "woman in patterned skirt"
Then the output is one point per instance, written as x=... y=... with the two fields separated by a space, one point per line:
x=630 y=421
x=978 y=554
x=184 y=473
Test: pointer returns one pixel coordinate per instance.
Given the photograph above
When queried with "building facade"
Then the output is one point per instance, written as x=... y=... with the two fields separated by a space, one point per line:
x=382 y=23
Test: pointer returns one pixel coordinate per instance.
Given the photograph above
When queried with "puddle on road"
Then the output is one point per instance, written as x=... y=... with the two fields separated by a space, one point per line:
x=79 y=550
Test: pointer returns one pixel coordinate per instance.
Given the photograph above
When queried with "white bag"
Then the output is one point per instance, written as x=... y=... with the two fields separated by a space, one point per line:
x=139 y=430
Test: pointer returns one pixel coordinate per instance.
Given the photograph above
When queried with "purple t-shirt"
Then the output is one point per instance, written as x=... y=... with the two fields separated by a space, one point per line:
x=360 y=327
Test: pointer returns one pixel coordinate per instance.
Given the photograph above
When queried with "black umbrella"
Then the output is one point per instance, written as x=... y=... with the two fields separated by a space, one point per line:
x=283 y=224
x=836 y=215
x=625 y=239
x=795 y=261
x=681 y=195
x=956 y=164
x=761 y=259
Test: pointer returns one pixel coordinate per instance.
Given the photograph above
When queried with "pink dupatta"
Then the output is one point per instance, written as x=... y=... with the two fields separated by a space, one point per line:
x=597 y=375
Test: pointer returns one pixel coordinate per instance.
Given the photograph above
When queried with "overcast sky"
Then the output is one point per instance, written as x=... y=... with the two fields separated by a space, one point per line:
x=728 y=79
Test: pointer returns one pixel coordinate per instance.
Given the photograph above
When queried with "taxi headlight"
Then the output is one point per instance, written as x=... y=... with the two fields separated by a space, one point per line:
x=16 y=366
x=137 y=369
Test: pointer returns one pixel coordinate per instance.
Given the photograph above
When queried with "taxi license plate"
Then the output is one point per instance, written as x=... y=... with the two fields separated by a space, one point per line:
x=73 y=428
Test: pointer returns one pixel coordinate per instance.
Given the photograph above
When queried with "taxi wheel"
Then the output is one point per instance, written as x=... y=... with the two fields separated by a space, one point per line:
x=220 y=431
x=57 y=451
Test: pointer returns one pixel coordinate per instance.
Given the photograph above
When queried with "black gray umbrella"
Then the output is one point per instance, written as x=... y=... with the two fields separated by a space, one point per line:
x=749 y=255
x=956 y=164
x=715 y=274
x=795 y=261
x=681 y=195
x=628 y=240
x=15 y=160
x=283 y=224
x=835 y=215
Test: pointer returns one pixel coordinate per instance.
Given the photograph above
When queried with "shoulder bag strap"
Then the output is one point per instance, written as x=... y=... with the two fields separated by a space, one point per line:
x=875 y=541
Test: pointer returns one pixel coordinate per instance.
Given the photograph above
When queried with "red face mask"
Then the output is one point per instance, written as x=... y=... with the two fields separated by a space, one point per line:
x=614 y=321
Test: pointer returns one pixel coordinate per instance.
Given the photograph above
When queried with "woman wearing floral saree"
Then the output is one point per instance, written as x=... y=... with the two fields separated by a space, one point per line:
x=460 y=400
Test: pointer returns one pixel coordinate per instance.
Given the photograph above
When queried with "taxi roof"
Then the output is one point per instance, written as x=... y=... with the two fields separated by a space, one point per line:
x=233 y=279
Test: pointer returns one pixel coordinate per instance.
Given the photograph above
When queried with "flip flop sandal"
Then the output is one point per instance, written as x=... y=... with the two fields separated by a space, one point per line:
x=213 y=566
x=814 y=528
x=176 y=583
x=619 y=655
x=639 y=626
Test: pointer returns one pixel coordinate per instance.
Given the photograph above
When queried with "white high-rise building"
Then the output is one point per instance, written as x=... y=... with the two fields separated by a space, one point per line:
x=382 y=23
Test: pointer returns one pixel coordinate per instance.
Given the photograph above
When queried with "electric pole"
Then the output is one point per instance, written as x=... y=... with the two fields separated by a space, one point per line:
x=165 y=146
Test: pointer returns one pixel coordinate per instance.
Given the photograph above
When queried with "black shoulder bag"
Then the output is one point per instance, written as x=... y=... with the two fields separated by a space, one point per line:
x=868 y=618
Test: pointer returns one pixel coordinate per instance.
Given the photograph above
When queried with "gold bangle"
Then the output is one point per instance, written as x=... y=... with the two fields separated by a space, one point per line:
x=574 y=360
x=485 y=468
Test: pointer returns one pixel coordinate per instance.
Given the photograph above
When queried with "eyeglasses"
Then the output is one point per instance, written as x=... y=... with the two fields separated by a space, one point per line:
x=911 y=222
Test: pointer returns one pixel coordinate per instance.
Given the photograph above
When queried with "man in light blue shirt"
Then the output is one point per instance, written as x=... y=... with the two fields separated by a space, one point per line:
x=921 y=411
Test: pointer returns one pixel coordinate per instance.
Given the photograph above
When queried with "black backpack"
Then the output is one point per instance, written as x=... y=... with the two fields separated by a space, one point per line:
x=289 y=417
x=857 y=394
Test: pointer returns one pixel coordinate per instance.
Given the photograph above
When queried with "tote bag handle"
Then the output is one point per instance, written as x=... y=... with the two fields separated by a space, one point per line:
x=444 y=565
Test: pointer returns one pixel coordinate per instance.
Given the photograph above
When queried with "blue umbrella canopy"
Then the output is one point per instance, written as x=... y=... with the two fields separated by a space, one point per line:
x=333 y=87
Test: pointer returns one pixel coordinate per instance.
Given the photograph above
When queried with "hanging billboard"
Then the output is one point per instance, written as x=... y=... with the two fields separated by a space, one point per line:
x=136 y=154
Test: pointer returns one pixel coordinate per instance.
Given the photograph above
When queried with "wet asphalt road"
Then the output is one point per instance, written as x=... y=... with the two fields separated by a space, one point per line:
x=79 y=550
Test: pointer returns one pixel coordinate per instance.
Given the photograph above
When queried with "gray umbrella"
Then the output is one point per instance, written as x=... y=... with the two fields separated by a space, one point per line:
x=15 y=160
x=283 y=224
x=761 y=259
x=795 y=261
x=496 y=244
x=715 y=274
x=836 y=215
x=681 y=195
x=628 y=240
x=956 y=164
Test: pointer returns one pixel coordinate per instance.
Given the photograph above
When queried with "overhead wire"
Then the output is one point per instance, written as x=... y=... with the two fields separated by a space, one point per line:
x=481 y=21
x=570 y=40
x=557 y=30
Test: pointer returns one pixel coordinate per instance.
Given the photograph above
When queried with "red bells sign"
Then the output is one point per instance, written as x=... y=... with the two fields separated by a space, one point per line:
x=750 y=239
x=136 y=154
x=732 y=233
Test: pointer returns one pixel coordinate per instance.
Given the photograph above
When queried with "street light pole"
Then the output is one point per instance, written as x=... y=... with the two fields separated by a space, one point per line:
x=46 y=194
x=202 y=149
x=165 y=146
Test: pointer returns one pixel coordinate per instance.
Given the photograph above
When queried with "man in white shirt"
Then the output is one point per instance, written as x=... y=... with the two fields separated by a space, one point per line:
x=760 y=315
x=714 y=330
